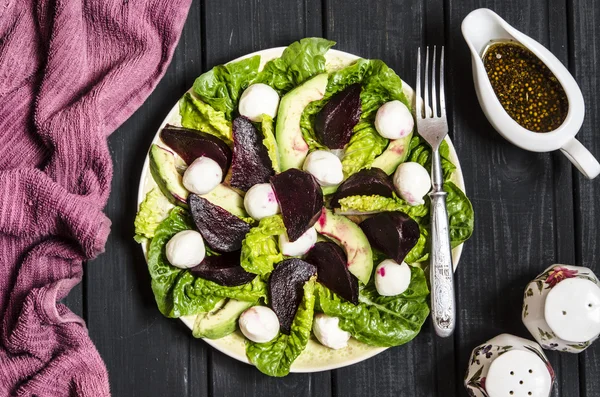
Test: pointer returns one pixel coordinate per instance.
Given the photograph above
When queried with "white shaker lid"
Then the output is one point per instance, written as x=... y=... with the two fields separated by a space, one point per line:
x=518 y=373
x=572 y=310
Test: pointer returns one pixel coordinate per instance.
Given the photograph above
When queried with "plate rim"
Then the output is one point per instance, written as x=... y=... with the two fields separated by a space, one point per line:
x=266 y=55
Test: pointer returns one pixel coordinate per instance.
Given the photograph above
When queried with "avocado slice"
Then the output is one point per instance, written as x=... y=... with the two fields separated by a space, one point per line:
x=221 y=321
x=228 y=199
x=164 y=172
x=352 y=239
x=292 y=147
x=393 y=155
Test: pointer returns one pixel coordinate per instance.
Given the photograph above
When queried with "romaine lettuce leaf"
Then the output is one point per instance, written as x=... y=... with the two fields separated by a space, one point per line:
x=380 y=320
x=460 y=214
x=153 y=210
x=260 y=249
x=275 y=358
x=300 y=61
x=198 y=115
x=179 y=293
x=269 y=141
x=222 y=86
x=380 y=84
x=374 y=203
x=420 y=252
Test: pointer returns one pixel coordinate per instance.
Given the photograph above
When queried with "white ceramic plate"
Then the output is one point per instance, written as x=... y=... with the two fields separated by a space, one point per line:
x=315 y=357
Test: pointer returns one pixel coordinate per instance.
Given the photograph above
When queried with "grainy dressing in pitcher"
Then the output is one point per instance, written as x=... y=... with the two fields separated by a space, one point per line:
x=526 y=88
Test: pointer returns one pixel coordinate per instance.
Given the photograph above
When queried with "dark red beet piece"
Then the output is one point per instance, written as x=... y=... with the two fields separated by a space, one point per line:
x=224 y=269
x=300 y=198
x=393 y=233
x=191 y=144
x=221 y=230
x=335 y=122
x=250 y=163
x=332 y=270
x=286 y=289
x=366 y=182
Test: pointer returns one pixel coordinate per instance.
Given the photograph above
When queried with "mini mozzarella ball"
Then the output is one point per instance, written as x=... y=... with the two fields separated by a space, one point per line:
x=259 y=324
x=300 y=246
x=391 y=278
x=412 y=182
x=260 y=201
x=202 y=176
x=185 y=249
x=259 y=99
x=394 y=120
x=325 y=166
x=328 y=332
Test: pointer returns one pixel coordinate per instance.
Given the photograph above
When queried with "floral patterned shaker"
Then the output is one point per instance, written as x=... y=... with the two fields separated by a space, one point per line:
x=561 y=308
x=509 y=366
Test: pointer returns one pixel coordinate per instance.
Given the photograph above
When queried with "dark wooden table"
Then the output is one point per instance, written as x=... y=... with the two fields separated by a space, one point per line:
x=532 y=210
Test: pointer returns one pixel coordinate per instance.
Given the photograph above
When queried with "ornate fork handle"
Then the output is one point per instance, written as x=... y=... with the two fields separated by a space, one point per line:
x=443 y=304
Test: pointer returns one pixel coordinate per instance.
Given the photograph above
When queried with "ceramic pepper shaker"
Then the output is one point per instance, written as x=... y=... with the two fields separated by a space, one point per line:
x=509 y=366
x=561 y=308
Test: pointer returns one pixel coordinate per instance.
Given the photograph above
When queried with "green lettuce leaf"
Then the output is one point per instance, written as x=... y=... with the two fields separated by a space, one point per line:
x=380 y=320
x=153 y=210
x=460 y=214
x=420 y=152
x=374 y=204
x=222 y=86
x=269 y=141
x=300 y=61
x=179 y=293
x=420 y=252
x=197 y=115
x=275 y=358
x=380 y=84
x=260 y=249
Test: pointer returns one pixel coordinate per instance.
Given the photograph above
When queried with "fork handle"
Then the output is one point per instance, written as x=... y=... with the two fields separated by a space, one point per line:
x=443 y=304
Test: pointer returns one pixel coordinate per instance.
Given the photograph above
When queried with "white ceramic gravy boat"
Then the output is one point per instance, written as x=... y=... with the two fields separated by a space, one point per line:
x=481 y=27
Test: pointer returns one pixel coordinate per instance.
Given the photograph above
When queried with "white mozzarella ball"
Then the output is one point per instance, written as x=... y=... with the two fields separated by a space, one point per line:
x=328 y=331
x=185 y=249
x=260 y=201
x=412 y=182
x=259 y=324
x=325 y=166
x=202 y=176
x=391 y=278
x=300 y=246
x=259 y=99
x=394 y=120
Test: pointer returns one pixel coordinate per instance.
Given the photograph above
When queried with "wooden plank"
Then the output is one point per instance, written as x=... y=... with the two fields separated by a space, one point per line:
x=146 y=354
x=519 y=218
x=585 y=61
x=391 y=31
x=234 y=28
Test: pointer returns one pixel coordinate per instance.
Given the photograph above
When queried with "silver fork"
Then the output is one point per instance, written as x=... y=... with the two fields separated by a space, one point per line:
x=433 y=127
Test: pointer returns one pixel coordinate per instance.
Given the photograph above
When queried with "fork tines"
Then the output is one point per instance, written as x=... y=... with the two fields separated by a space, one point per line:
x=429 y=109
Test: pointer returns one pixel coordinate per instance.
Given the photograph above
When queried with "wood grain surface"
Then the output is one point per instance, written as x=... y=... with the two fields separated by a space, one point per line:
x=531 y=209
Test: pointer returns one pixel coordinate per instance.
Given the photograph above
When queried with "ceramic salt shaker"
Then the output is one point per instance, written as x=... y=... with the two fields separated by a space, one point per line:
x=561 y=308
x=509 y=366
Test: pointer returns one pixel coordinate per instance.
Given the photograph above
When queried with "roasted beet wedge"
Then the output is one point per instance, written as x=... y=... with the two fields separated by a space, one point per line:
x=332 y=270
x=224 y=269
x=335 y=122
x=286 y=289
x=221 y=230
x=393 y=233
x=191 y=144
x=250 y=163
x=366 y=182
x=300 y=198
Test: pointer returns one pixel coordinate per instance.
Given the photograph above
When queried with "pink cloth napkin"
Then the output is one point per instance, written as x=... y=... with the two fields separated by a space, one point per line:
x=71 y=71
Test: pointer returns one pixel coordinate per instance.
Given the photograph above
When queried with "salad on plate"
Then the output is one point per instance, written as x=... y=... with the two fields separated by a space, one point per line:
x=289 y=205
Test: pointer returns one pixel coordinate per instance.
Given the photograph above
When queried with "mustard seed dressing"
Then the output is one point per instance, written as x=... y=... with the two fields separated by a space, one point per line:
x=526 y=88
